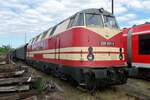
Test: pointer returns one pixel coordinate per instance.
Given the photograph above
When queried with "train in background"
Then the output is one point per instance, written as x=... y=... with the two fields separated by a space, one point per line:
x=19 y=53
x=136 y=42
x=86 y=49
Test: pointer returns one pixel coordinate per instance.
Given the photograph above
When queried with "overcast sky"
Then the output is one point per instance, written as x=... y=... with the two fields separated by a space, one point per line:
x=18 y=17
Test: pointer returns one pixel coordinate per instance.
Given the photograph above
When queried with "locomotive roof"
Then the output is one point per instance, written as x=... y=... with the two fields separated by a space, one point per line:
x=91 y=10
x=96 y=11
x=141 y=24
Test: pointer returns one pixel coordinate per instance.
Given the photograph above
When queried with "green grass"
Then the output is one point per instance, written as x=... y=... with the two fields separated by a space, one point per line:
x=4 y=50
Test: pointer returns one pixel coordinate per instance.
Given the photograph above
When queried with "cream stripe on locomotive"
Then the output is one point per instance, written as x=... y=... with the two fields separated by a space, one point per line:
x=82 y=57
x=107 y=33
x=79 y=49
x=30 y=54
x=79 y=56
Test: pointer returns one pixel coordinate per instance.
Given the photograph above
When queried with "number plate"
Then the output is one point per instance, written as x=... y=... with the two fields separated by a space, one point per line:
x=104 y=43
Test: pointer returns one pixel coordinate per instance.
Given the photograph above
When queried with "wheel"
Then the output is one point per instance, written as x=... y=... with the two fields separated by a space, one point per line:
x=90 y=81
x=123 y=78
x=72 y=81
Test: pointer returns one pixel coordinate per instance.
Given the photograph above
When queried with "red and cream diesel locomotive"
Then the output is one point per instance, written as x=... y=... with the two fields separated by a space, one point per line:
x=137 y=48
x=85 y=48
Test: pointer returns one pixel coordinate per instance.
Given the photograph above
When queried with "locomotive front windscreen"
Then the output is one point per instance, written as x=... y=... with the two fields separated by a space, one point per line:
x=97 y=20
x=94 y=20
x=110 y=21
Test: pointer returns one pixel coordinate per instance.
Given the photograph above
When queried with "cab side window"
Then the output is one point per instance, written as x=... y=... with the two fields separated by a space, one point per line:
x=80 y=21
x=44 y=34
x=71 y=22
x=37 y=37
x=61 y=27
x=53 y=30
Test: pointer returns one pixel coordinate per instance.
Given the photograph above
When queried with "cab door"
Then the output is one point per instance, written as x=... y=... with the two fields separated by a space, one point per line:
x=57 y=48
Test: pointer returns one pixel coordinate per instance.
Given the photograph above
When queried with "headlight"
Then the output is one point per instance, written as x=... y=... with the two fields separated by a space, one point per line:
x=121 y=57
x=90 y=49
x=90 y=57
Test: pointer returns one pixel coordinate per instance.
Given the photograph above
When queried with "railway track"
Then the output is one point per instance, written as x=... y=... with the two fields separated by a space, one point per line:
x=139 y=89
x=17 y=82
x=135 y=89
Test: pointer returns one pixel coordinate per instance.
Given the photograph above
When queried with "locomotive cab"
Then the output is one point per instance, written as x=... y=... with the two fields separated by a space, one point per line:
x=97 y=28
x=94 y=18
